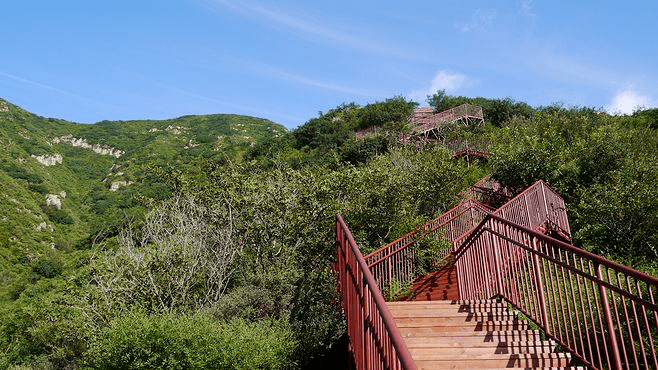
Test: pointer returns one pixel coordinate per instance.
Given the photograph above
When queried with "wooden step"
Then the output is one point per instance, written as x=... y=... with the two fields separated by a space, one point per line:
x=426 y=349
x=479 y=336
x=429 y=325
x=452 y=303
x=493 y=307
x=468 y=361
x=537 y=368
x=455 y=316
x=438 y=342
x=472 y=335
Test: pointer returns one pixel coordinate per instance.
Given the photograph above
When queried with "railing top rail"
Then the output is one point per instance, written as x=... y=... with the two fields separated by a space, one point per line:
x=465 y=204
x=519 y=195
x=425 y=116
x=575 y=250
x=427 y=232
x=396 y=338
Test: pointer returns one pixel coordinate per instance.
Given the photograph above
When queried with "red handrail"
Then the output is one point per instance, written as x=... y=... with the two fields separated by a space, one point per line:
x=394 y=262
x=375 y=340
x=536 y=205
x=604 y=313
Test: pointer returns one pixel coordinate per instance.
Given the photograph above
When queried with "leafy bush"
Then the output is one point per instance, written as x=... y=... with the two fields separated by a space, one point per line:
x=428 y=254
x=321 y=132
x=361 y=151
x=58 y=216
x=391 y=113
x=47 y=268
x=20 y=173
x=38 y=188
x=140 y=341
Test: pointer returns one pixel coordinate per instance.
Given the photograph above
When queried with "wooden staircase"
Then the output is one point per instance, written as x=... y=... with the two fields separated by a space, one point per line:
x=472 y=335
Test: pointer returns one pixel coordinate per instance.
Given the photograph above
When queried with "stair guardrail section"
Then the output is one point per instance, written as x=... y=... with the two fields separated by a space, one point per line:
x=374 y=338
x=535 y=206
x=602 y=312
x=424 y=120
x=394 y=262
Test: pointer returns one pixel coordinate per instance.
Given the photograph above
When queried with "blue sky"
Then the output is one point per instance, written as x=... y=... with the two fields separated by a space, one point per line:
x=88 y=61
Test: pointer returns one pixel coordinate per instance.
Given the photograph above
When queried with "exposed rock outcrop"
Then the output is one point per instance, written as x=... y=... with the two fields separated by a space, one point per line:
x=82 y=143
x=118 y=184
x=53 y=200
x=49 y=160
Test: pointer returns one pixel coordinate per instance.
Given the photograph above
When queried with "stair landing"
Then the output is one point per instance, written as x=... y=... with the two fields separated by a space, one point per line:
x=472 y=335
x=436 y=286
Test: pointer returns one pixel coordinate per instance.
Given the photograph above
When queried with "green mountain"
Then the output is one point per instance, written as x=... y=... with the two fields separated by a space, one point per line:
x=64 y=185
x=208 y=240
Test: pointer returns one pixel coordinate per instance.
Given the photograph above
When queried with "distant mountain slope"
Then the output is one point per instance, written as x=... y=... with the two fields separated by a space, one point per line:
x=65 y=183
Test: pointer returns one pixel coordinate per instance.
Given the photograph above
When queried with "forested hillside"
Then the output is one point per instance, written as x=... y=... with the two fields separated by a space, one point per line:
x=206 y=241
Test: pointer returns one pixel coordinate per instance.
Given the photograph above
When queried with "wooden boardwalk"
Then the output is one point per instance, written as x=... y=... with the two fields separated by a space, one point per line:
x=472 y=335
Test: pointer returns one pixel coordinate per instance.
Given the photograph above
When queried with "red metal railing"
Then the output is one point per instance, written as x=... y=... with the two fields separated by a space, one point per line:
x=602 y=312
x=423 y=119
x=374 y=338
x=488 y=192
x=536 y=206
x=464 y=146
x=394 y=262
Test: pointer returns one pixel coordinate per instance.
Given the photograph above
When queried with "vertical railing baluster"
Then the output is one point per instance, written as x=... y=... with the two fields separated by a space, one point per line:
x=497 y=261
x=539 y=283
x=612 y=337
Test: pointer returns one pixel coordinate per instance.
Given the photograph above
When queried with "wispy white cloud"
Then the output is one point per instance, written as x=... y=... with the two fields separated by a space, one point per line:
x=526 y=8
x=283 y=75
x=443 y=80
x=39 y=85
x=625 y=102
x=315 y=29
x=480 y=21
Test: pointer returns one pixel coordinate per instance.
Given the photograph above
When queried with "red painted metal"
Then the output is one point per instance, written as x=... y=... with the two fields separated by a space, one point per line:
x=536 y=207
x=424 y=120
x=374 y=338
x=604 y=313
x=394 y=263
x=469 y=148
x=614 y=324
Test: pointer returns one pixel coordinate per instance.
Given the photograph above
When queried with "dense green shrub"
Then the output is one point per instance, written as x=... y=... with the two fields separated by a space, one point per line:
x=604 y=168
x=58 y=216
x=20 y=173
x=392 y=114
x=47 y=268
x=321 y=132
x=38 y=188
x=140 y=341
x=428 y=254
x=361 y=151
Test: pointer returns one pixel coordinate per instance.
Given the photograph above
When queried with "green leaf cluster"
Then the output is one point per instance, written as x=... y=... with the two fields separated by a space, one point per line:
x=141 y=341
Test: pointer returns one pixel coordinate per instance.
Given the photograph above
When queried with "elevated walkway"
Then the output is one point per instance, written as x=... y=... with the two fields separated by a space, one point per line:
x=600 y=313
x=472 y=335
x=426 y=123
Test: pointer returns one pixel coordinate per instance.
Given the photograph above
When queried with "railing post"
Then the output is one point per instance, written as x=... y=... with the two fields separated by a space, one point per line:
x=390 y=277
x=539 y=281
x=608 y=318
x=497 y=258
